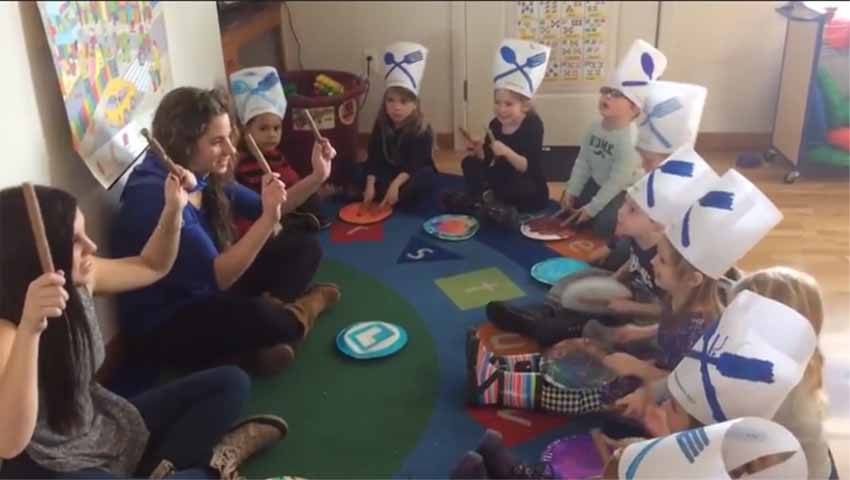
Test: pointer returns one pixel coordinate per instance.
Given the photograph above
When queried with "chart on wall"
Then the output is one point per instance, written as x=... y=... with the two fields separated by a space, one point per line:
x=576 y=31
x=111 y=59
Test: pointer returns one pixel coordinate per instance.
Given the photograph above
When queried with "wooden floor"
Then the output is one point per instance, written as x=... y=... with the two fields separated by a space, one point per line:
x=813 y=237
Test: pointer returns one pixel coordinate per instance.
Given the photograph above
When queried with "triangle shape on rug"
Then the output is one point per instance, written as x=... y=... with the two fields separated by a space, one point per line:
x=419 y=251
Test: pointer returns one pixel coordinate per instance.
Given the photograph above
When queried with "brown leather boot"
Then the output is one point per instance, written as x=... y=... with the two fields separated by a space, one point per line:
x=316 y=299
x=165 y=469
x=246 y=438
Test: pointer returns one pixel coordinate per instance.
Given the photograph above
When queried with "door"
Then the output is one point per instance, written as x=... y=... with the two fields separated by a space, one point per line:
x=587 y=39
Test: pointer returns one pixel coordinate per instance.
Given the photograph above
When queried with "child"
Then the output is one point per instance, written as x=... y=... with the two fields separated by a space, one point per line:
x=654 y=202
x=745 y=365
x=687 y=266
x=261 y=105
x=729 y=450
x=607 y=163
x=803 y=411
x=504 y=175
x=400 y=165
x=673 y=111
x=63 y=422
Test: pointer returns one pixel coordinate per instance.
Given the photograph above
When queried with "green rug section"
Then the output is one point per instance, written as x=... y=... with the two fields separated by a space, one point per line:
x=349 y=418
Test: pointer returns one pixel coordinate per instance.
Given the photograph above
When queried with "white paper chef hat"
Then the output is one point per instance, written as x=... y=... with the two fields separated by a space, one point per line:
x=670 y=189
x=520 y=66
x=717 y=452
x=404 y=65
x=746 y=364
x=257 y=90
x=734 y=208
x=673 y=112
x=641 y=66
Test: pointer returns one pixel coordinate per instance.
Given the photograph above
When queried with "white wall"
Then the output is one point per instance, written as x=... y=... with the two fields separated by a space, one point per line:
x=34 y=132
x=334 y=35
x=735 y=50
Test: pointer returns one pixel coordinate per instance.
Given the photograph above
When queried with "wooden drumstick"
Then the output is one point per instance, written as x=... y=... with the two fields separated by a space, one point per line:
x=37 y=223
x=465 y=134
x=489 y=134
x=313 y=125
x=258 y=154
x=160 y=152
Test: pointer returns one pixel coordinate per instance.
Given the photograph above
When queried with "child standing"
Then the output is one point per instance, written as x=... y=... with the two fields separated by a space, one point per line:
x=607 y=163
x=400 y=165
x=504 y=175
x=672 y=115
x=261 y=106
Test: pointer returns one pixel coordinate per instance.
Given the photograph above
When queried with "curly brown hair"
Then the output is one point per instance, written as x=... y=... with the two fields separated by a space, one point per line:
x=181 y=119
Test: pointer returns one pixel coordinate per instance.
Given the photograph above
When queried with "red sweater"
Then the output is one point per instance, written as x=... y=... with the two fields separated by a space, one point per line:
x=249 y=173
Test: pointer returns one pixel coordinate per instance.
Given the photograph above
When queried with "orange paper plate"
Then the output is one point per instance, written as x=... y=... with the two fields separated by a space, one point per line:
x=351 y=214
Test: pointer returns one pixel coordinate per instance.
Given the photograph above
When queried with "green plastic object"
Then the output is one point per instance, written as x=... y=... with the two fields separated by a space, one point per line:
x=837 y=107
x=826 y=155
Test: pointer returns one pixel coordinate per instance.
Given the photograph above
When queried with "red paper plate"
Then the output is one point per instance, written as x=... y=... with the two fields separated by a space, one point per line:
x=351 y=213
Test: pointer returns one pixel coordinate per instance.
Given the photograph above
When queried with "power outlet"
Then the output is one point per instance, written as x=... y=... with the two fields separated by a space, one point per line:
x=370 y=59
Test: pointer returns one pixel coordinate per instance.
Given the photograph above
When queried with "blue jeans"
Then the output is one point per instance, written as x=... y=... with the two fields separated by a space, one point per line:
x=186 y=418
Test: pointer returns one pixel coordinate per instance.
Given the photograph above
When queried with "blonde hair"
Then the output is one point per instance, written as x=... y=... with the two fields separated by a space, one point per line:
x=706 y=296
x=801 y=292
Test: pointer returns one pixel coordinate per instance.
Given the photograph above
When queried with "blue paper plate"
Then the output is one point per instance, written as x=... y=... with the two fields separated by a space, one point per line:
x=551 y=270
x=366 y=340
x=451 y=227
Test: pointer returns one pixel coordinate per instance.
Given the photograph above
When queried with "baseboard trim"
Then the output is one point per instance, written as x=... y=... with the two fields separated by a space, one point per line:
x=725 y=141
x=707 y=141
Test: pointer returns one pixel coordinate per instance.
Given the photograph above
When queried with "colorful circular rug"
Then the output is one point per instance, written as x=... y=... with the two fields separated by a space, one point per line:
x=405 y=415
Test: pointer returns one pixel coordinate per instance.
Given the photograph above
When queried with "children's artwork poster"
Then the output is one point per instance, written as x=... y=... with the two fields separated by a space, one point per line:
x=576 y=31
x=111 y=59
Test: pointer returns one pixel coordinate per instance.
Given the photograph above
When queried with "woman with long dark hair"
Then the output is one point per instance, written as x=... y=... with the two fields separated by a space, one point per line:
x=225 y=301
x=55 y=419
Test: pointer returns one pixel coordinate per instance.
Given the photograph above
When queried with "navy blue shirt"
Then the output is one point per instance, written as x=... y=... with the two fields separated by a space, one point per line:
x=193 y=276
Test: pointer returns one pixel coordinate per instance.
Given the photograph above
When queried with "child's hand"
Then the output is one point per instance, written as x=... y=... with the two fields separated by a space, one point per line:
x=390 y=198
x=624 y=334
x=577 y=218
x=655 y=421
x=500 y=149
x=568 y=202
x=624 y=364
x=634 y=404
x=475 y=146
x=368 y=194
x=623 y=306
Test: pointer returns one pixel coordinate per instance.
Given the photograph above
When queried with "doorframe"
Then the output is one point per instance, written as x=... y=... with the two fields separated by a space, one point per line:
x=459 y=75
x=637 y=19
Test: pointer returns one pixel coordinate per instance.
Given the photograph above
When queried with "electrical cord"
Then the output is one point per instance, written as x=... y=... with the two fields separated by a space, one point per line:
x=294 y=34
